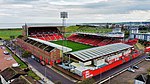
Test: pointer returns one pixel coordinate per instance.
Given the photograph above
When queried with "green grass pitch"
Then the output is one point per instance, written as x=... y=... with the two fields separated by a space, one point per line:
x=73 y=45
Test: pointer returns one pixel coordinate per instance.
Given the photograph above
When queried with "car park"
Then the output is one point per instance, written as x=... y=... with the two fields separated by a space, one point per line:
x=131 y=70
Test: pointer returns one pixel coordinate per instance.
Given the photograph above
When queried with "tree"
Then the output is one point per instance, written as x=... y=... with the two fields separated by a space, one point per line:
x=26 y=54
x=20 y=36
x=12 y=37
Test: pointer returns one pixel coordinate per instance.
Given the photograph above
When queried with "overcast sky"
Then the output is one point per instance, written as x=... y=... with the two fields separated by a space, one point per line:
x=47 y=11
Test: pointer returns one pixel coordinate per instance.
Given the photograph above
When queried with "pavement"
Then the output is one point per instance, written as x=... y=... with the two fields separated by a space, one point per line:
x=69 y=78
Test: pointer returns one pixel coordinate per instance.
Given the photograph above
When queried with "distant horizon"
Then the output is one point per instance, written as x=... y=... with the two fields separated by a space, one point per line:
x=66 y=22
x=19 y=25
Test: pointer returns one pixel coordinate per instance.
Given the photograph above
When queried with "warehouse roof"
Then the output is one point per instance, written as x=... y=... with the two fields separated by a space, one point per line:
x=63 y=48
x=96 y=52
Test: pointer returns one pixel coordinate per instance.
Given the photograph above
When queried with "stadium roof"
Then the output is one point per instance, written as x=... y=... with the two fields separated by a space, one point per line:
x=95 y=34
x=101 y=34
x=92 y=53
x=63 y=48
x=42 y=25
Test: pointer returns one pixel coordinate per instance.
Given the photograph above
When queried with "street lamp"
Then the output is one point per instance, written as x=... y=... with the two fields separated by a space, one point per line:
x=45 y=73
x=63 y=15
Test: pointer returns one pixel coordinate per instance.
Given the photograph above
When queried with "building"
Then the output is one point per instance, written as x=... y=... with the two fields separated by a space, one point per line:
x=36 y=39
x=142 y=79
x=24 y=80
x=134 y=30
x=9 y=74
x=94 y=61
x=141 y=36
x=43 y=50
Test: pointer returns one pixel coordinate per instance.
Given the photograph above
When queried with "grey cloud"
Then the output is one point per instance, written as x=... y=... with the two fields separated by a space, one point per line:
x=43 y=8
x=18 y=1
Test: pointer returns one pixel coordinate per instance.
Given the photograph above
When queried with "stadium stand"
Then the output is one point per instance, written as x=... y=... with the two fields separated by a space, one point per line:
x=132 y=41
x=93 y=40
x=47 y=34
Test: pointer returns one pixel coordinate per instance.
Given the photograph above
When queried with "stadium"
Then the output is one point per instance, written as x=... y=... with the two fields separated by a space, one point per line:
x=81 y=55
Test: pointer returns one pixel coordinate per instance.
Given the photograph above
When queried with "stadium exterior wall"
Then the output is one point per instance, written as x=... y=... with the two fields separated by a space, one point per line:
x=48 y=57
x=91 y=73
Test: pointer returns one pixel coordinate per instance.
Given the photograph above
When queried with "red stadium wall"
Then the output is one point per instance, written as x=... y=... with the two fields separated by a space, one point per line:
x=48 y=57
x=123 y=59
x=90 y=73
x=147 y=49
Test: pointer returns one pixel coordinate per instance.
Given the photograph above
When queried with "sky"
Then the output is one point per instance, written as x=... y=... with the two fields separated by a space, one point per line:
x=79 y=11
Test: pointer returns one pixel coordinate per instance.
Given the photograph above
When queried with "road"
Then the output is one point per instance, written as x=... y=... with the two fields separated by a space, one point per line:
x=117 y=69
x=50 y=74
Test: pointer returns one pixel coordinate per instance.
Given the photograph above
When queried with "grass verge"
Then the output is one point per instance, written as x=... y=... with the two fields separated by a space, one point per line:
x=32 y=74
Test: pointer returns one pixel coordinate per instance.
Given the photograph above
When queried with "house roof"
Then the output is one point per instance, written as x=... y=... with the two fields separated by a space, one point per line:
x=63 y=48
x=92 y=53
x=11 y=72
x=24 y=80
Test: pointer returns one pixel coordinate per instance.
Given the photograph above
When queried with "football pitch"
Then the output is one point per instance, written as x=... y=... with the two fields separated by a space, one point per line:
x=73 y=45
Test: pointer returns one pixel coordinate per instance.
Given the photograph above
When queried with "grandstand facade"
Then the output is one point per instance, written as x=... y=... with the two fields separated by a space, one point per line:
x=43 y=32
x=94 y=39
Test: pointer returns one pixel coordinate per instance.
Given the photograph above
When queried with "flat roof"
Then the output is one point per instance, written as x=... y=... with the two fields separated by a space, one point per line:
x=63 y=48
x=92 y=53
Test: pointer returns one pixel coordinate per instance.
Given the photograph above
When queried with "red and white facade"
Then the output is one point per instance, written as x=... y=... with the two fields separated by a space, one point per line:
x=105 y=61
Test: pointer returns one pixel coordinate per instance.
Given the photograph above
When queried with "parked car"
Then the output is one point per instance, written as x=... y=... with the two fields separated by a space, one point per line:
x=6 y=53
x=15 y=65
x=135 y=67
x=13 y=48
x=147 y=58
x=131 y=70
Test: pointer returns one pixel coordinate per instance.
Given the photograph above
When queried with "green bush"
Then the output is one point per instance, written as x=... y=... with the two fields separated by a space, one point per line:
x=87 y=81
x=33 y=75
x=26 y=54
